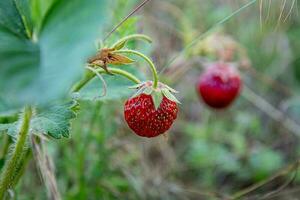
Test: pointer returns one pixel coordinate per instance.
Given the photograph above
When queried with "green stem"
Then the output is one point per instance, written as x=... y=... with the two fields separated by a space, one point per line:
x=12 y=165
x=22 y=165
x=152 y=66
x=89 y=76
x=133 y=36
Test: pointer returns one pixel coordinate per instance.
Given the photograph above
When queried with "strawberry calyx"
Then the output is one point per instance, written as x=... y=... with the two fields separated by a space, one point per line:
x=157 y=94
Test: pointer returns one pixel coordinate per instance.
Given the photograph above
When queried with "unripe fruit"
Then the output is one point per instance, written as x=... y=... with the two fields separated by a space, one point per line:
x=147 y=121
x=219 y=85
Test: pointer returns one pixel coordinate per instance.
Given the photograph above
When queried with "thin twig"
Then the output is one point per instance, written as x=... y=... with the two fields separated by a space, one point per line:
x=290 y=11
x=270 y=81
x=280 y=173
x=129 y=15
x=269 y=10
x=271 y=111
x=275 y=192
x=285 y=192
x=260 y=13
x=204 y=193
x=45 y=165
x=281 y=14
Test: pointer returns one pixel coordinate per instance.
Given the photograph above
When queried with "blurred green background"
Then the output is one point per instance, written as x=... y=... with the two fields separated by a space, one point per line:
x=208 y=153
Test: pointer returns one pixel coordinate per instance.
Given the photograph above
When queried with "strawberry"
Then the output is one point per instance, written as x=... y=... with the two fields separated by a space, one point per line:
x=219 y=85
x=149 y=116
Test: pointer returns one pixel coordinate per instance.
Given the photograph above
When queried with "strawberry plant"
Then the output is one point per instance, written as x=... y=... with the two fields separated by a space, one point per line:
x=85 y=111
x=41 y=62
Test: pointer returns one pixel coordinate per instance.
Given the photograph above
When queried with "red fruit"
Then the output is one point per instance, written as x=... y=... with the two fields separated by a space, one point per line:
x=146 y=121
x=219 y=85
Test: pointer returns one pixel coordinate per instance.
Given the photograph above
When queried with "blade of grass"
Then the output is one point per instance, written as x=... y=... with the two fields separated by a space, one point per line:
x=290 y=11
x=129 y=15
x=45 y=165
x=269 y=10
x=281 y=14
x=260 y=12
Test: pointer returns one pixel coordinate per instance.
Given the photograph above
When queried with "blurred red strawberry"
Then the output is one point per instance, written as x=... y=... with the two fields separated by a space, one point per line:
x=219 y=85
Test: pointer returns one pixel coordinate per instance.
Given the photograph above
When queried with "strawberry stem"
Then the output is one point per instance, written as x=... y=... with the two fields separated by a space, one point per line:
x=10 y=170
x=130 y=37
x=152 y=66
x=89 y=76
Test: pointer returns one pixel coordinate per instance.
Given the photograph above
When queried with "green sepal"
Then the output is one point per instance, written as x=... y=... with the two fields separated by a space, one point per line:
x=171 y=89
x=139 y=91
x=170 y=96
x=136 y=86
x=120 y=45
x=157 y=97
x=148 y=90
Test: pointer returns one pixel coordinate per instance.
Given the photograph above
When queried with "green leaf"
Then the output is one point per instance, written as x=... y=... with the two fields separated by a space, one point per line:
x=5 y=127
x=39 y=8
x=51 y=65
x=10 y=19
x=11 y=129
x=66 y=45
x=157 y=98
x=117 y=87
x=23 y=6
x=54 y=121
x=18 y=67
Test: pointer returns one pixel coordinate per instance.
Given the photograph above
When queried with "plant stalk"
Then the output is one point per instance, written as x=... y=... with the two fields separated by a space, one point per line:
x=133 y=36
x=11 y=167
x=89 y=76
x=152 y=66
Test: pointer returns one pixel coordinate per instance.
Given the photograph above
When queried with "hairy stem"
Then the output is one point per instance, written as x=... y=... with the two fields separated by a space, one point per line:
x=11 y=167
x=152 y=66
x=22 y=165
x=89 y=76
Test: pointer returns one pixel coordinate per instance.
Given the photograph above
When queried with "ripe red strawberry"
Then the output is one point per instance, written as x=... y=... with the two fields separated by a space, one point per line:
x=219 y=85
x=145 y=119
